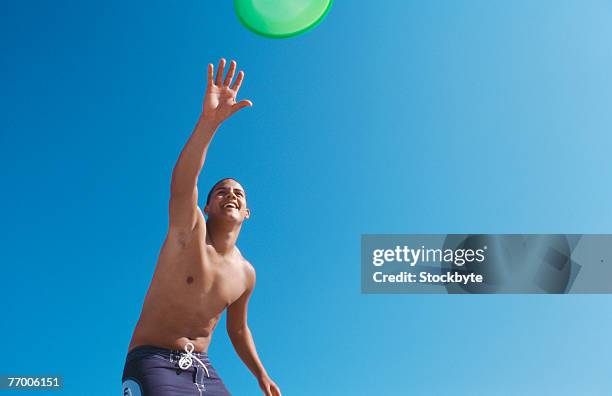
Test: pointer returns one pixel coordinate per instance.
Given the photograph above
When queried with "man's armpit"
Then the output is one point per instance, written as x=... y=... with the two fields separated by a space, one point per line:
x=181 y=237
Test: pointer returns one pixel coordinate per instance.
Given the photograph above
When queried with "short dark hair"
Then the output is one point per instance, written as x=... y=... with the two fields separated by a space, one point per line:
x=216 y=184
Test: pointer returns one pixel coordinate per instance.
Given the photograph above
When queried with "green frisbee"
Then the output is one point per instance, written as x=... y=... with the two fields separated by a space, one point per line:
x=281 y=18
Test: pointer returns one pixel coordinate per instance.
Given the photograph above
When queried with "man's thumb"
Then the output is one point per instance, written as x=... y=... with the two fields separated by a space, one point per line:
x=241 y=104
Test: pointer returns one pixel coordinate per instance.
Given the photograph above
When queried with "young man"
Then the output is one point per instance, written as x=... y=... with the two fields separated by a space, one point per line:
x=200 y=272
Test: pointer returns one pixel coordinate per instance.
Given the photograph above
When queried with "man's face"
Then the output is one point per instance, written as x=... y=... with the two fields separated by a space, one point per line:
x=228 y=201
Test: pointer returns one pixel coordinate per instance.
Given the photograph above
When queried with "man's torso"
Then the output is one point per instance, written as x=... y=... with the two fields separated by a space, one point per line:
x=191 y=287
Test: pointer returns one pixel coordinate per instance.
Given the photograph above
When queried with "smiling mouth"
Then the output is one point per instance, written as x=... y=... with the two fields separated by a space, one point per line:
x=230 y=205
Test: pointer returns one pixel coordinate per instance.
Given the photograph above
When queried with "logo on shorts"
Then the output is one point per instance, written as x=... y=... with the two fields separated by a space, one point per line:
x=131 y=388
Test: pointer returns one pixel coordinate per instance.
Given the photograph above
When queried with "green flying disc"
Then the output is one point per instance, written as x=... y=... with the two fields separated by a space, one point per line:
x=281 y=18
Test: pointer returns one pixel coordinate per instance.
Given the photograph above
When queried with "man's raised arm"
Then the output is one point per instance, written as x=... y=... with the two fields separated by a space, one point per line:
x=219 y=104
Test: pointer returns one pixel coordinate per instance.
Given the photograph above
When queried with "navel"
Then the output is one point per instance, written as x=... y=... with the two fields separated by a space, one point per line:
x=189 y=279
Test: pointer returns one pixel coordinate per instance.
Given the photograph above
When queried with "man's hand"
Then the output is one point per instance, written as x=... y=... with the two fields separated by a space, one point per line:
x=268 y=387
x=220 y=99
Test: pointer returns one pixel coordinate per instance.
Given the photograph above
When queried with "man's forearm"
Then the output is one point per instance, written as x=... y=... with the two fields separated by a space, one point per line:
x=245 y=347
x=191 y=160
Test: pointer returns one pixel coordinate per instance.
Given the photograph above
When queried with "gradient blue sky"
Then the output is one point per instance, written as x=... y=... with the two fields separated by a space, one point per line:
x=389 y=117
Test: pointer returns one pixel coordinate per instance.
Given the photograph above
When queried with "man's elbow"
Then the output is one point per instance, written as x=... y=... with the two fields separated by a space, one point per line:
x=237 y=332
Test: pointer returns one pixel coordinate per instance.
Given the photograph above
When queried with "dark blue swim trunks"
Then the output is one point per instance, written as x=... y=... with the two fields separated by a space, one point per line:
x=153 y=371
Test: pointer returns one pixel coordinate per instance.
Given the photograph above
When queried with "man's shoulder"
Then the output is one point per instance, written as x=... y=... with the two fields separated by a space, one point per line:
x=249 y=270
x=248 y=267
x=246 y=264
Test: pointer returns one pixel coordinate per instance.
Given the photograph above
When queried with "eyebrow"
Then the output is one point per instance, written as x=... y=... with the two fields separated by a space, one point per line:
x=225 y=188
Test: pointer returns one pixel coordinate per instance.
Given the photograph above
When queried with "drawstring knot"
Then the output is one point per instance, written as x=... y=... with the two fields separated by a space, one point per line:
x=186 y=360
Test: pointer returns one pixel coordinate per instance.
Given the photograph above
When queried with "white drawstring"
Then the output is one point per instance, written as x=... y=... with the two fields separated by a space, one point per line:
x=186 y=361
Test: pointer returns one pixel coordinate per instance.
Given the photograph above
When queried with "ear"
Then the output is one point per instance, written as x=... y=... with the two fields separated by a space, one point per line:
x=206 y=209
x=247 y=213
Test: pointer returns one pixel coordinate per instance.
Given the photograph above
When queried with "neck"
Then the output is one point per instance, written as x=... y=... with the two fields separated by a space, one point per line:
x=222 y=235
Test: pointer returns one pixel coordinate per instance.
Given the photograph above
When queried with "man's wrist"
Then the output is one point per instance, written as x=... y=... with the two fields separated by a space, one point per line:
x=207 y=124
x=262 y=376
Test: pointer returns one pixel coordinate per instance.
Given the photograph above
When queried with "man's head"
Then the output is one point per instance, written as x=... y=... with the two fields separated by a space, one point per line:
x=227 y=200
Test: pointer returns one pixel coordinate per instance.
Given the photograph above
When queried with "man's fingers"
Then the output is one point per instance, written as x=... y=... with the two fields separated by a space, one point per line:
x=276 y=391
x=210 y=74
x=220 y=71
x=238 y=82
x=230 y=73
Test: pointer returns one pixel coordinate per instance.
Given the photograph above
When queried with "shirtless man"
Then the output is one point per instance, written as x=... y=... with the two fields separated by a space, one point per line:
x=200 y=272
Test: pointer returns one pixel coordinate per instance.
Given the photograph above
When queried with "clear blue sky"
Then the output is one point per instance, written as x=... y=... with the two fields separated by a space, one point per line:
x=389 y=117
